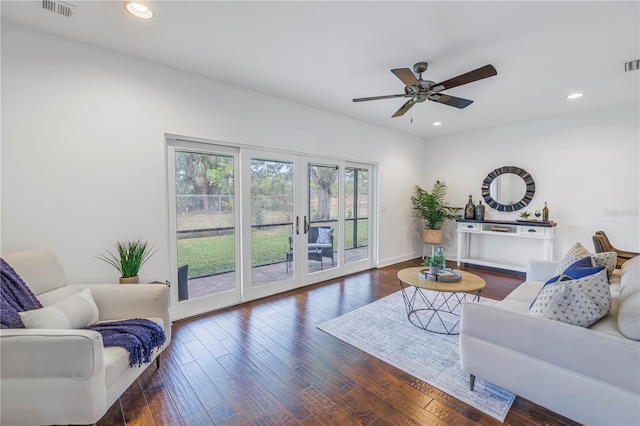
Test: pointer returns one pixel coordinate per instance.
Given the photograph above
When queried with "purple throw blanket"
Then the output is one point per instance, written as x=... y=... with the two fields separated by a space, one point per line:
x=138 y=336
x=15 y=297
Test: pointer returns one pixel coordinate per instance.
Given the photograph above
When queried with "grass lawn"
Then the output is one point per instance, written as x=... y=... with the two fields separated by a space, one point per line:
x=213 y=255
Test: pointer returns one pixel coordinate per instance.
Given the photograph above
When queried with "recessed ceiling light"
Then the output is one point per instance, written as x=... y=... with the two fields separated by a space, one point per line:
x=575 y=95
x=437 y=123
x=138 y=9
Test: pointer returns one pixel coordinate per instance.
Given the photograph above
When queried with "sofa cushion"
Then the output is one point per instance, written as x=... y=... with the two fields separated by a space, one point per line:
x=629 y=299
x=76 y=311
x=47 y=274
x=582 y=301
x=577 y=252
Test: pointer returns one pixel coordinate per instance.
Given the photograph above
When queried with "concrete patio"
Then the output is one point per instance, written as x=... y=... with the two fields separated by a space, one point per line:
x=262 y=275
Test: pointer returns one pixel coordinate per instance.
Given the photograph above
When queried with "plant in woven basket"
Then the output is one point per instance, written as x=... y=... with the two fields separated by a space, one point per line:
x=131 y=255
x=430 y=206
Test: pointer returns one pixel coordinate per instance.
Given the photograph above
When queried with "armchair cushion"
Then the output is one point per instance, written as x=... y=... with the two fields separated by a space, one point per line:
x=77 y=311
x=324 y=236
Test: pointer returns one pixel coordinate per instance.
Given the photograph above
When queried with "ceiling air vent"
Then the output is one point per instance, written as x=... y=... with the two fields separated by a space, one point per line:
x=59 y=7
x=632 y=65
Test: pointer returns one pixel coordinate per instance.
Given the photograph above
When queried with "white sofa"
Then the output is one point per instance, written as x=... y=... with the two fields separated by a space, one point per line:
x=55 y=376
x=590 y=375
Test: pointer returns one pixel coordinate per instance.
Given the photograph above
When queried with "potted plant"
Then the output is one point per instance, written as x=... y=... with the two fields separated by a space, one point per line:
x=430 y=207
x=131 y=256
x=434 y=263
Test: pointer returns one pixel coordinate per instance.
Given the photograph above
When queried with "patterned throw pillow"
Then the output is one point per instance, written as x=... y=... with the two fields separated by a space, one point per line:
x=324 y=235
x=580 y=302
x=577 y=252
x=574 y=254
x=607 y=259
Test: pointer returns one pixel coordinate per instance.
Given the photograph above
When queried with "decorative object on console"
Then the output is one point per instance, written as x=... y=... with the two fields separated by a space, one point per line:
x=131 y=256
x=469 y=209
x=430 y=207
x=508 y=189
x=479 y=211
x=525 y=215
x=545 y=213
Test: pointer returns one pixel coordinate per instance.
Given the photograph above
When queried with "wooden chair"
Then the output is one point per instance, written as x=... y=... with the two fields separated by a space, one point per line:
x=602 y=244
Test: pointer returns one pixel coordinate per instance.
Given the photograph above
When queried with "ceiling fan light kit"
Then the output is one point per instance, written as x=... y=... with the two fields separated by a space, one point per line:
x=419 y=90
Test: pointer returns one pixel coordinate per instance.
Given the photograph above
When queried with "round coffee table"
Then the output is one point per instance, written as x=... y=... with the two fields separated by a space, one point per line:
x=442 y=301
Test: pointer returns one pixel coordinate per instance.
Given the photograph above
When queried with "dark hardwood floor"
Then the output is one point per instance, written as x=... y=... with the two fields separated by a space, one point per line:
x=266 y=363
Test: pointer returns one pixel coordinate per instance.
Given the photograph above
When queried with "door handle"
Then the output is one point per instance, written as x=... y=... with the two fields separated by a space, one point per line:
x=306 y=225
x=297 y=225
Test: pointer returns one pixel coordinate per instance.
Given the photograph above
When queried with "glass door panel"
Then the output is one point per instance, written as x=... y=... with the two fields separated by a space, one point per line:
x=272 y=216
x=205 y=222
x=356 y=239
x=203 y=218
x=323 y=217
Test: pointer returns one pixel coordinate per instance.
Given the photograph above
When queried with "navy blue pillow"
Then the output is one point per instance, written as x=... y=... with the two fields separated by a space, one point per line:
x=578 y=269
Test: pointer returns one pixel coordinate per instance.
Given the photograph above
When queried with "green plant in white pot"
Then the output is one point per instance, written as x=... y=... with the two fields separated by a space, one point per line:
x=131 y=255
x=430 y=207
x=434 y=262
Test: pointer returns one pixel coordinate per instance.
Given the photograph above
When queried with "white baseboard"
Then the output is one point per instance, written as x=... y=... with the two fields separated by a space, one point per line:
x=393 y=260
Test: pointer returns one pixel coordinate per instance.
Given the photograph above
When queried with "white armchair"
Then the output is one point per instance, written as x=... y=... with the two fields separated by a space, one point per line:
x=54 y=376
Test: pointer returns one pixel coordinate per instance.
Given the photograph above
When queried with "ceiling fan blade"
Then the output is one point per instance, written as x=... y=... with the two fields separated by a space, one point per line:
x=404 y=108
x=375 y=98
x=470 y=77
x=406 y=76
x=450 y=100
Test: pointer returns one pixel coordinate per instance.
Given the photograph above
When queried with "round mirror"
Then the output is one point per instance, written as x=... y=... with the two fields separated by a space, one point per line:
x=508 y=189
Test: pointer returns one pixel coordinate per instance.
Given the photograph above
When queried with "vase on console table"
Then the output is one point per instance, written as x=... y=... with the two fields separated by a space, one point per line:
x=469 y=209
x=479 y=211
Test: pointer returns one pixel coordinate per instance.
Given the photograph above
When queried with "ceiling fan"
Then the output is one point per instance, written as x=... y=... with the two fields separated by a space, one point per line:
x=420 y=90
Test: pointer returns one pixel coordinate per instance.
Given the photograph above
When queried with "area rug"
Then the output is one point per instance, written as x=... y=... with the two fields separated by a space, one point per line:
x=382 y=329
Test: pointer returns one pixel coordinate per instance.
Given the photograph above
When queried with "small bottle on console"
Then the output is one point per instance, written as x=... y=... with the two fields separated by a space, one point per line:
x=545 y=213
x=469 y=209
x=479 y=211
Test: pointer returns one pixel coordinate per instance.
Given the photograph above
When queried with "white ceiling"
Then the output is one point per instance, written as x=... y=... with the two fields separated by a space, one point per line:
x=323 y=54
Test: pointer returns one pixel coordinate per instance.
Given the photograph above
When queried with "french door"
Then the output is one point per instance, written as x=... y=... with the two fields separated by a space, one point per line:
x=248 y=223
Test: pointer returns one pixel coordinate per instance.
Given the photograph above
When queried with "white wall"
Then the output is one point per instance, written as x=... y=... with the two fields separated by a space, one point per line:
x=83 y=154
x=585 y=166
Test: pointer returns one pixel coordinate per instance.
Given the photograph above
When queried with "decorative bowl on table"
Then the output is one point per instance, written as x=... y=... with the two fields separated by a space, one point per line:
x=448 y=276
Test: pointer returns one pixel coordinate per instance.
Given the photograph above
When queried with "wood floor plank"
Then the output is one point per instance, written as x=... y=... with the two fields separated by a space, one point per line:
x=191 y=410
x=238 y=406
x=324 y=411
x=162 y=407
x=135 y=408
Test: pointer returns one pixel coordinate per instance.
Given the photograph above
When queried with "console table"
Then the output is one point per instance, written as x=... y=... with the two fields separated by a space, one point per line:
x=516 y=231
